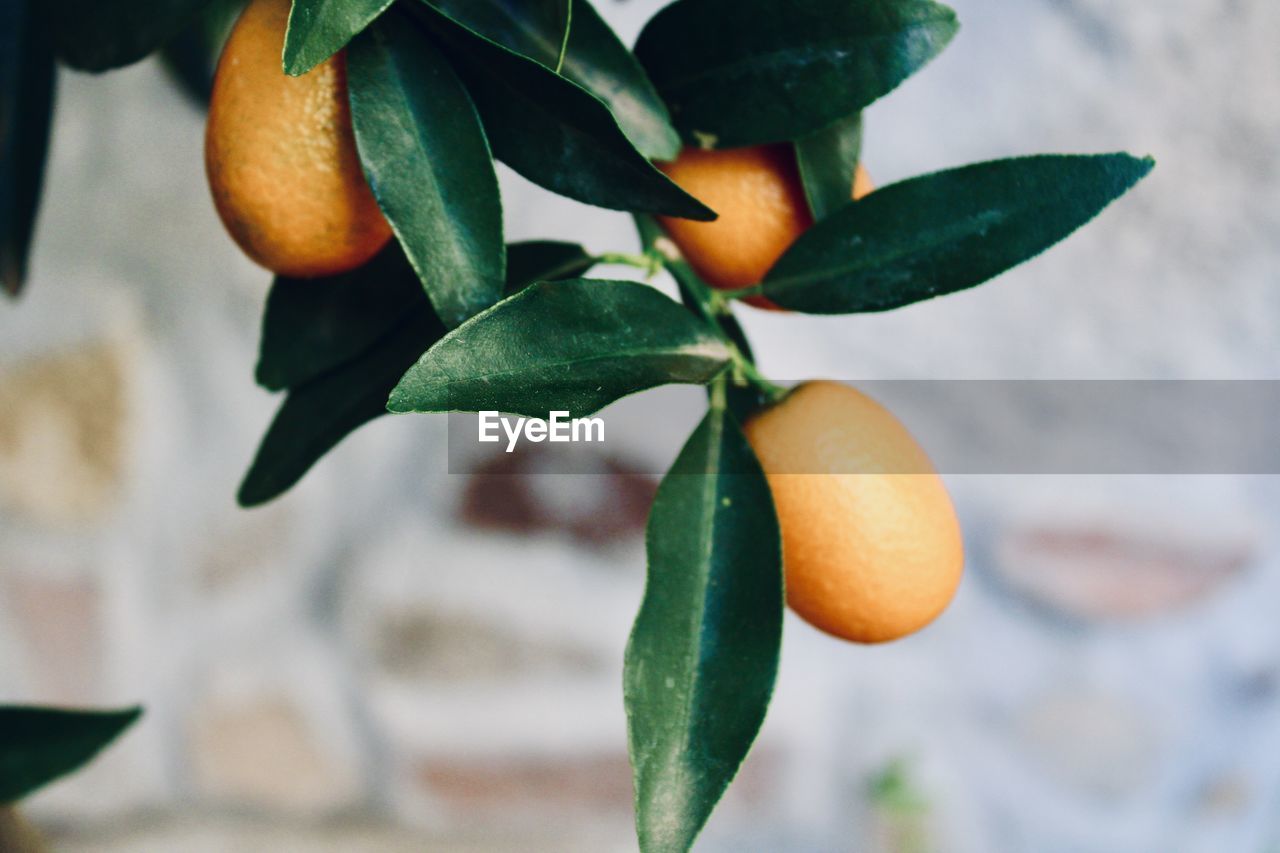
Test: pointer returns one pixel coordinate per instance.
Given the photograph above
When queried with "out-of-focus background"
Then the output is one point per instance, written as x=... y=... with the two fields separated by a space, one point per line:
x=395 y=658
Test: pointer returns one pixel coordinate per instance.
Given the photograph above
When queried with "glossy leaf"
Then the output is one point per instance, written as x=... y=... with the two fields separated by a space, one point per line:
x=428 y=163
x=939 y=233
x=703 y=655
x=742 y=72
x=314 y=325
x=828 y=162
x=320 y=28
x=318 y=414
x=26 y=110
x=596 y=60
x=95 y=35
x=544 y=260
x=39 y=745
x=554 y=132
x=575 y=346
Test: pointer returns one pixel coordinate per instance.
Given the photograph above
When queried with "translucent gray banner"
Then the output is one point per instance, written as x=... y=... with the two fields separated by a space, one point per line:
x=965 y=426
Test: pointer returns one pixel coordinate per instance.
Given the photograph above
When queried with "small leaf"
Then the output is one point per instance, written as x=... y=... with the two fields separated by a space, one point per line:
x=939 y=233
x=596 y=60
x=320 y=413
x=574 y=345
x=95 y=35
x=554 y=132
x=320 y=28
x=314 y=325
x=39 y=745
x=428 y=163
x=703 y=655
x=828 y=162
x=544 y=260
x=26 y=109
x=776 y=72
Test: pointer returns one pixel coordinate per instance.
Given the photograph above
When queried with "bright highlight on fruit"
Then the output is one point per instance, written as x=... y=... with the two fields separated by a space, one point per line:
x=762 y=208
x=871 y=545
x=281 y=156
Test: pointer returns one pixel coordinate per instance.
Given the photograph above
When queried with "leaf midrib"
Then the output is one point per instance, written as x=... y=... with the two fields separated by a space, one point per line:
x=706 y=350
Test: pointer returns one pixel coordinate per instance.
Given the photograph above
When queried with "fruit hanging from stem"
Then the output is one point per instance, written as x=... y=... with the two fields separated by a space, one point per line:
x=281 y=156
x=762 y=205
x=871 y=545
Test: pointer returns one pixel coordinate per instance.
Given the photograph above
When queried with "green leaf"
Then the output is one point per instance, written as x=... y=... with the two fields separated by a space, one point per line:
x=703 y=655
x=939 y=233
x=555 y=133
x=574 y=345
x=828 y=162
x=544 y=260
x=318 y=414
x=39 y=745
x=191 y=56
x=320 y=28
x=95 y=35
x=314 y=325
x=596 y=60
x=26 y=109
x=428 y=162
x=778 y=71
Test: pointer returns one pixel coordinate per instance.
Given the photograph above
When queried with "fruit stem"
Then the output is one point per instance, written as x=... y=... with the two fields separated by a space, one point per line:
x=746 y=292
x=650 y=262
x=743 y=367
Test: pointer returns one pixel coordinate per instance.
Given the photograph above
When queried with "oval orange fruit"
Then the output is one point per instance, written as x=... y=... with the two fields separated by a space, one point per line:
x=762 y=209
x=871 y=546
x=281 y=156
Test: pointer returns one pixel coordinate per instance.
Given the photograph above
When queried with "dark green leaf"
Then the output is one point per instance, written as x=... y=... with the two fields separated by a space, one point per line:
x=743 y=72
x=320 y=28
x=39 y=745
x=95 y=35
x=428 y=163
x=595 y=59
x=703 y=654
x=554 y=132
x=944 y=232
x=573 y=345
x=828 y=162
x=26 y=108
x=320 y=413
x=544 y=260
x=314 y=325
x=191 y=56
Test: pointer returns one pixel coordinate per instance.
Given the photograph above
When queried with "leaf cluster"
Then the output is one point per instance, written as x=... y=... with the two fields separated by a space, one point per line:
x=453 y=317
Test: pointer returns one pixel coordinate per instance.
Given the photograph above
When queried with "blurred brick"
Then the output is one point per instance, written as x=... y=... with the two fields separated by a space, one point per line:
x=527 y=491
x=263 y=754
x=551 y=785
x=59 y=622
x=434 y=646
x=1108 y=570
x=63 y=434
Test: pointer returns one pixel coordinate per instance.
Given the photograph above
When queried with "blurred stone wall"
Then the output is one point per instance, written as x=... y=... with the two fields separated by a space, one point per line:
x=392 y=658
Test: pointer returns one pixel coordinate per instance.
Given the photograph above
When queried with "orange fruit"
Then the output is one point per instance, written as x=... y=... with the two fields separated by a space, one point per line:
x=281 y=156
x=761 y=201
x=871 y=545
